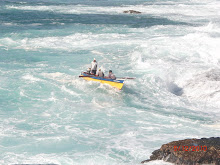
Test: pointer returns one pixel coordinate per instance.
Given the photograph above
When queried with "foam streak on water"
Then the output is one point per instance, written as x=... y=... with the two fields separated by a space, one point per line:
x=49 y=115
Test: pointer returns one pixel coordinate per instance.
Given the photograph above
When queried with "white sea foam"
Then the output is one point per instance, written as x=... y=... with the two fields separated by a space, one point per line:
x=215 y=126
x=97 y=52
x=167 y=57
x=53 y=75
x=37 y=159
x=35 y=24
x=9 y=24
x=79 y=122
x=205 y=87
x=158 y=162
x=74 y=9
x=101 y=103
x=31 y=78
x=174 y=10
x=68 y=43
x=46 y=114
x=63 y=88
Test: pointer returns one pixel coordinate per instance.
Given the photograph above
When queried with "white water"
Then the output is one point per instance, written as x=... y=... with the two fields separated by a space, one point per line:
x=49 y=115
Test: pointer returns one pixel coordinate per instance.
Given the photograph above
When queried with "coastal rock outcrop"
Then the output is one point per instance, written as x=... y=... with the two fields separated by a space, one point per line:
x=132 y=12
x=189 y=152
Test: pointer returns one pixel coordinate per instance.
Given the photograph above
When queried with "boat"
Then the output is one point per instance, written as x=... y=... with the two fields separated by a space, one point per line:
x=118 y=83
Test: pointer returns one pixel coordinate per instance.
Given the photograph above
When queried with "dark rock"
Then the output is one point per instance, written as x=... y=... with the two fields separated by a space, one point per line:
x=155 y=155
x=132 y=12
x=189 y=152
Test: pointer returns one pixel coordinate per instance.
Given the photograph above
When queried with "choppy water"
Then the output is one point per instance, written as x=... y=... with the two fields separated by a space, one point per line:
x=49 y=115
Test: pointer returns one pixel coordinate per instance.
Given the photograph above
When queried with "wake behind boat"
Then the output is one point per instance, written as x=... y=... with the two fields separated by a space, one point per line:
x=117 y=83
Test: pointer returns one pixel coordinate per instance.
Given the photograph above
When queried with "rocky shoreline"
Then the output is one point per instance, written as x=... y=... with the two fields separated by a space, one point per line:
x=132 y=12
x=202 y=151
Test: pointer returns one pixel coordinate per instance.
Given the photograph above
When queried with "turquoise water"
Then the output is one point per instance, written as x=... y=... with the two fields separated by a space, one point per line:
x=49 y=115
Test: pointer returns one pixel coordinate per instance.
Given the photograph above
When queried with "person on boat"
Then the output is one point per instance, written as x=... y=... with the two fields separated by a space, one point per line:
x=94 y=66
x=111 y=75
x=100 y=73
x=88 y=71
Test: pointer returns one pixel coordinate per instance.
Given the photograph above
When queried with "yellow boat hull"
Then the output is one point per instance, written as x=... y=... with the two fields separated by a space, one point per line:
x=117 y=85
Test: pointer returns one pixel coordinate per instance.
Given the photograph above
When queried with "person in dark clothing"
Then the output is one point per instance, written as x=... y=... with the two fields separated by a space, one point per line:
x=111 y=75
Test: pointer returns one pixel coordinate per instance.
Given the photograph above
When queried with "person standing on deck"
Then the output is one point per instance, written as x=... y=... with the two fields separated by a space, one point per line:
x=100 y=73
x=94 y=66
x=111 y=75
